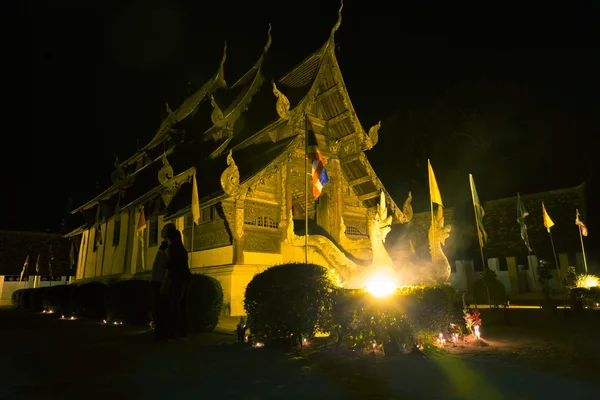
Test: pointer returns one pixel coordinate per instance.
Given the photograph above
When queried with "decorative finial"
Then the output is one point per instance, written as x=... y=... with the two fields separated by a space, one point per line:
x=269 y=40
x=371 y=139
x=222 y=66
x=165 y=174
x=283 y=104
x=216 y=116
x=339 y=21
x=230 y=178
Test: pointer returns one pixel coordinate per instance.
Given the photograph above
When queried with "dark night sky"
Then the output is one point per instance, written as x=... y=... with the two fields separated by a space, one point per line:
x=101 y=73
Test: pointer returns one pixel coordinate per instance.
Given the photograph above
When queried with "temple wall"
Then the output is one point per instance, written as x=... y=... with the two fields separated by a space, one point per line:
x=518 y=276
x=212 y=257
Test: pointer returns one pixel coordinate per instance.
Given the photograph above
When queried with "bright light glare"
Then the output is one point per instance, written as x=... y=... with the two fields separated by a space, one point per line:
x=381 y=286
x=587 y=281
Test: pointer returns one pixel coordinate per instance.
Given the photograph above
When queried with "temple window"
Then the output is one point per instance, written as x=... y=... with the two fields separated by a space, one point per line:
x=96 y=239
x=117 y=232
x=353 y=231
x=153 y=232
x=264 y=222
x=188 y=222
x=205 y=215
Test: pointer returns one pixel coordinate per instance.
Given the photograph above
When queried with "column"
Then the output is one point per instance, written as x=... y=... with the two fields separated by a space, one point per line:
x=513 y=275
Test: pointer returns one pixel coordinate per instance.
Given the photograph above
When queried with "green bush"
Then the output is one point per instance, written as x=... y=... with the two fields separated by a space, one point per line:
x=289 y=302
x=205 y=303
x=130 y=301
x=89 y=300
x=25 y=299
x=36 y=299
x=58 y=299
x=363 y=321
x=15 y=297
x=584 y=297
x=397 y=321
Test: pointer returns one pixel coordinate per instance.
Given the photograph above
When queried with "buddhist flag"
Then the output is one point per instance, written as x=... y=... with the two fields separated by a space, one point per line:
x=434 y=190
x=521 y=214
x=195 y=201
x=319 y=174
x=50 y=262
x=140 y=230
x=37 y=265
x=72 y=254
x=141 y=223
x=580 y=224
x=547 y=221
x=479 y=213
x=25 y=265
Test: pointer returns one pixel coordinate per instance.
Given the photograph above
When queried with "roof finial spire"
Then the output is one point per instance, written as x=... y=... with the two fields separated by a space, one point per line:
x=269 y=40
x=339 y=21
x=221 y=72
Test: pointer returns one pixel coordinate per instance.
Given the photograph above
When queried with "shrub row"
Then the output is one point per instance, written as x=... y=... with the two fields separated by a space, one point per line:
x=290 y=302
x=128 y=301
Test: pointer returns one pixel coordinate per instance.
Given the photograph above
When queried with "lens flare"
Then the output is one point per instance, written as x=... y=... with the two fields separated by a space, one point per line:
x=381 y=286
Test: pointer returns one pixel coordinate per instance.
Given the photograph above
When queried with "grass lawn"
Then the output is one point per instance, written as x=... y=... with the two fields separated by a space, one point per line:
x=44 y=357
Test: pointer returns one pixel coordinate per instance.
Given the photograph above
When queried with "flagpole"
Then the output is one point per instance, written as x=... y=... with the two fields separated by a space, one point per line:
x=555 y=258
x=306 y=189
x=433 y=231
x=192 y=245
x=582 y=250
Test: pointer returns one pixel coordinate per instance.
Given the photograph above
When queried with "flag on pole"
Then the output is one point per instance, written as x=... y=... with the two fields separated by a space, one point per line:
x=141 y=223
x=547 y=221
x=319 y=174
x=580 y=224
x=412 y=248
x=521 y=214
x=37 y=265
x=479 y=213
x=25 y=265
x=434 y=190
x=50 y=261
x=140 y=230
x=72 y=254
x=195 y=201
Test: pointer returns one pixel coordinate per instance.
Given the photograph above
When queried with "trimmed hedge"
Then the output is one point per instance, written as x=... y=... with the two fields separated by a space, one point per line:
x=58 y=299
x=584 y=297
x=205 y=303
x=289 y=302
x=36 y=300
x=130 y=301
x=15 y=297
x=89 y=300
x=412 y=314
x=25 y=299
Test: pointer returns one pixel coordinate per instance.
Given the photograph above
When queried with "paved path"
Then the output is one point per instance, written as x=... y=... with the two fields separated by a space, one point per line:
x=43 y=357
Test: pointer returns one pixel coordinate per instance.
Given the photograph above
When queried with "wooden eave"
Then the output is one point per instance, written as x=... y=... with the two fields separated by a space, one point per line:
x=112 y=190
x=366 y=184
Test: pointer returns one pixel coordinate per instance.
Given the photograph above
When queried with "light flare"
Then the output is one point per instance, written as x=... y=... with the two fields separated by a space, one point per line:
x=587 y=281
x=381 y=286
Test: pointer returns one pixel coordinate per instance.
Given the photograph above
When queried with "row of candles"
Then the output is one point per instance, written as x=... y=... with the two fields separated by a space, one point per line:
x=453 y=338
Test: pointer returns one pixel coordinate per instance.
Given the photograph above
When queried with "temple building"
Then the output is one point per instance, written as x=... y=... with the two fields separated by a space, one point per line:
x=245 y=145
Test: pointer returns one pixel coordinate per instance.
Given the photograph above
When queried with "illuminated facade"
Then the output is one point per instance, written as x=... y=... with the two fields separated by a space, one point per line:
x=245 y=143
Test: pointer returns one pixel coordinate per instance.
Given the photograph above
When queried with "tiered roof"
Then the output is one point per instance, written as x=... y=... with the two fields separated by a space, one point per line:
x=218 y=120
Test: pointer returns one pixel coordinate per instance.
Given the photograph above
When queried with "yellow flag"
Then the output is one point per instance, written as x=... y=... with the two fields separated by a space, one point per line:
x=434 y=191
x=547 y=221
x=195 y=201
